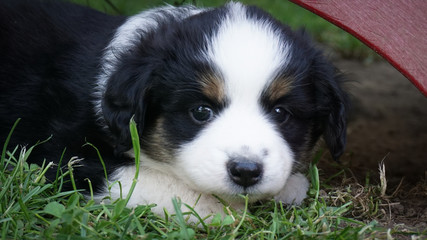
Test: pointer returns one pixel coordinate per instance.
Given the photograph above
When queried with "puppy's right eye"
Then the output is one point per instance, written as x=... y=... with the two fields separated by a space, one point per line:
x=280 y=114
x=202 y=114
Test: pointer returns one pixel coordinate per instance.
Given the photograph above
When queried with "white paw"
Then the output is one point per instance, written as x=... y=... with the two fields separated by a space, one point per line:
x=295 y=190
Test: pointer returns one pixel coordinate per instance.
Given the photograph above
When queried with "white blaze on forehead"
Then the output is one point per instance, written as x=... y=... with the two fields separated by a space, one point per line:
x=248 y=53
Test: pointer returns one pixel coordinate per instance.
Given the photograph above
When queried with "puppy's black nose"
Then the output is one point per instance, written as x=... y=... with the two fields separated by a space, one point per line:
x=244 y=172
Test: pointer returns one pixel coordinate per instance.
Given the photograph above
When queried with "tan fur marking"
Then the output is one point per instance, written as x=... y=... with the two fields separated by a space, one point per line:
x=278 y=88
x=156 y=145
x=213 y=87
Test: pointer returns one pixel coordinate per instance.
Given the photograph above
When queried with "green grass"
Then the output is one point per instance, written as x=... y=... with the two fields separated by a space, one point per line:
x=32 y=208
x=295 y=16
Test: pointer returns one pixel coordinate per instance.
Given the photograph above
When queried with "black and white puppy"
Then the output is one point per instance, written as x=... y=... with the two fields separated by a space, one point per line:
x=227 y=101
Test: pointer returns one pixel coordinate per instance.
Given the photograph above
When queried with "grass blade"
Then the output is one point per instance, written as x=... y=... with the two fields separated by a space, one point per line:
x=6 y=143
x=137 y=150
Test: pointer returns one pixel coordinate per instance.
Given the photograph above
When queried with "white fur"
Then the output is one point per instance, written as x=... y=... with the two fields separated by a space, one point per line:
x=158 y=187
x=248 y=54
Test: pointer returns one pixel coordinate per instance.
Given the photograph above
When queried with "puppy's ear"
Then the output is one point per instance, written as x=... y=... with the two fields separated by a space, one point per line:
x=333 y=103
x=335 y=134
x=124 y=97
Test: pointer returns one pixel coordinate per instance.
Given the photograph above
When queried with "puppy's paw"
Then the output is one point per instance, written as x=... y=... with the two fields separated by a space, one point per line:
x=208 y=207
x=295 y=190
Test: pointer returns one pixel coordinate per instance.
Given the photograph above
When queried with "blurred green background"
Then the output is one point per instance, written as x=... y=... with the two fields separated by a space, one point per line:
x=321 y=30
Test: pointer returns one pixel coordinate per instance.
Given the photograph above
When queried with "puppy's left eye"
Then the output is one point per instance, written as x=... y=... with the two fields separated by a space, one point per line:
x=280 y=114
x=202 y=114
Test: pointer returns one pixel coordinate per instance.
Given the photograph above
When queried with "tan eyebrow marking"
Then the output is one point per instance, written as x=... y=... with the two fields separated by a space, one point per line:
x=213 y=87
x=278 y=88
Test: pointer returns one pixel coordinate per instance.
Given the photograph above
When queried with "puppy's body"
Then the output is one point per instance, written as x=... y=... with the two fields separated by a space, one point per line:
x=227 y=101
x=49 y=63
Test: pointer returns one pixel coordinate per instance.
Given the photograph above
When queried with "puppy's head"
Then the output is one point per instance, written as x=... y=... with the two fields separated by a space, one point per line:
x=227 y=100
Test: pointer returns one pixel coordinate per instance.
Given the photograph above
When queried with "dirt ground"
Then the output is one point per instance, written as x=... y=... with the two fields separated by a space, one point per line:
x=388 y=122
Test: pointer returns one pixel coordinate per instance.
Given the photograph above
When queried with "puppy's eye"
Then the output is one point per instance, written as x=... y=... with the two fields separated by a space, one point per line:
x=280 y=114
x=202 y=114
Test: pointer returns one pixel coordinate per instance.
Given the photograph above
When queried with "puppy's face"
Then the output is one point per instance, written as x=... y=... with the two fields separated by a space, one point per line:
x=230 y=100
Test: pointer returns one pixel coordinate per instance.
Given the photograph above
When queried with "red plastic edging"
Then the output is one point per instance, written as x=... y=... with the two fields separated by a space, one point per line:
x=395 y=29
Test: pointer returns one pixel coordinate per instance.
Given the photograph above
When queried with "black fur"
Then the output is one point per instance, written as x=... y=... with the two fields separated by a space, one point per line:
x=49 y=60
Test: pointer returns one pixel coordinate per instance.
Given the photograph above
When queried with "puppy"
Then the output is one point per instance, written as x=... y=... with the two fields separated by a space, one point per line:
x=227 y=101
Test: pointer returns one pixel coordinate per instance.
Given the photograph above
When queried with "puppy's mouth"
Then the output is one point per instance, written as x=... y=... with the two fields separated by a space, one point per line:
x=239 y=195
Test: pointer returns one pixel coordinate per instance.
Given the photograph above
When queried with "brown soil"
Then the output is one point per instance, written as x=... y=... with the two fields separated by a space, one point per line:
x=389 y=123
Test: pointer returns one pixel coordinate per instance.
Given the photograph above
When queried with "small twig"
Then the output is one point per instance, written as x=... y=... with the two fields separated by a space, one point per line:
x=398 y=187
x=389 y=204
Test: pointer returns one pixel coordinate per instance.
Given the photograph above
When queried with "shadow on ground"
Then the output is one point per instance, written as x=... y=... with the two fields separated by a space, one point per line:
x=388 y=123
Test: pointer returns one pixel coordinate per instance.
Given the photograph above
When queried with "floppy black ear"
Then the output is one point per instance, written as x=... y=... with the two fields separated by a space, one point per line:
x=333 y=103
x=335 y=135
x=124 y=97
